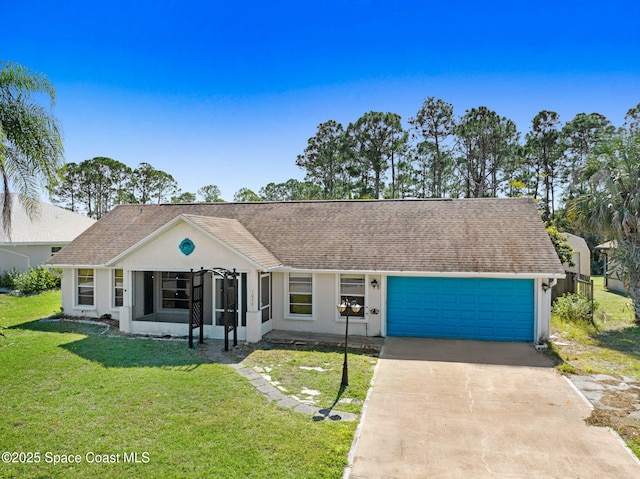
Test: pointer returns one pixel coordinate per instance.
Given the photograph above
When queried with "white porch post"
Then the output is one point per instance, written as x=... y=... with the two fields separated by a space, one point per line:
x=127 y=300
x=254 y=318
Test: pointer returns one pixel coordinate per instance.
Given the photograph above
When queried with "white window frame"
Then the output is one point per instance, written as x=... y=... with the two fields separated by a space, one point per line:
x=76 y=290
x=114 y=288
x=343 y=319
x=287 y=304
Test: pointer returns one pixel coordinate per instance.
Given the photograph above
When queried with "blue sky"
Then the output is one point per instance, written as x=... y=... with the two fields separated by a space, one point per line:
x=229 y=92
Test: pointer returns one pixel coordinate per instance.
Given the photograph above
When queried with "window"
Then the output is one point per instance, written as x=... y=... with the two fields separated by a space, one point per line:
x=118 y=288
x=265 y=296
x=300 y=294
x=175 y=290
x=55 y=249
x=352 y=286
x=86 y=286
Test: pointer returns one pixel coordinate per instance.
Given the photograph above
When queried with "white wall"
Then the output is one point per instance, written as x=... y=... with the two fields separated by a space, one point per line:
x=163 y=253
x=325 y=318
x=102 y=298
x=542 y=310
x=581 y=255
x=22 y=257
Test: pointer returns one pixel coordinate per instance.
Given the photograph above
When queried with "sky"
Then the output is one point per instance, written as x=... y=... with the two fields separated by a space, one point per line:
x=228 y=93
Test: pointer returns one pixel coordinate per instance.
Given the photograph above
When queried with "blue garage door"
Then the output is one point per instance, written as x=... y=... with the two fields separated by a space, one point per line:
x=465 y=308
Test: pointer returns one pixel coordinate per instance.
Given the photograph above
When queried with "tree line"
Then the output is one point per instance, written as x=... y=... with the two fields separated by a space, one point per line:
x=478 y=154
x=438 y=155
x=95 y=186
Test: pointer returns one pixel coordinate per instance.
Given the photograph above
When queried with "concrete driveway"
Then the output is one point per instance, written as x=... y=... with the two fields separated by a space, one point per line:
x=458 y=409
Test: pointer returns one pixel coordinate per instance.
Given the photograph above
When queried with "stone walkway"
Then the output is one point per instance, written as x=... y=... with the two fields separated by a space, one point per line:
x=213 y=350
x=615 y=399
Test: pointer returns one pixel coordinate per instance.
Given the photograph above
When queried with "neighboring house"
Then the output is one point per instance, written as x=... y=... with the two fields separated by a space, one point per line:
x=581 y=268
x=581 y=255
x=447 y=268
x=612 y=274
x=32 y=242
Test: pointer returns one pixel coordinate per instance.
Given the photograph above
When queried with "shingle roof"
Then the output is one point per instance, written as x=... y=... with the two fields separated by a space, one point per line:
x=235 y=235
x=486 y=235
x=53 y=225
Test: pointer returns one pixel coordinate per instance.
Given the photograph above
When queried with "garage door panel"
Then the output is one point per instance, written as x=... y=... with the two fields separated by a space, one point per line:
x=467 y=308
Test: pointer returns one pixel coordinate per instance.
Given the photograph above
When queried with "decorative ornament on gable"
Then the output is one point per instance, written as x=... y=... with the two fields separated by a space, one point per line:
x=187 y=246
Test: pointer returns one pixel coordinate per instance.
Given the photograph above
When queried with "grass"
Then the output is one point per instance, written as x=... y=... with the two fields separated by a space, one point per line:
x=297 y=371
x=610 y=346
x=69 y=388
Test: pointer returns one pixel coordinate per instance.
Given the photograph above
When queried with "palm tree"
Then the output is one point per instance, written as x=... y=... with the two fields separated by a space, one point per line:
x=30 y=144
x=612 y=205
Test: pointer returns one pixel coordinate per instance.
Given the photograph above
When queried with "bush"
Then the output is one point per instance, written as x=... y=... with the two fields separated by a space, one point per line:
x=7 y=279
x=35 y=280
x=574 y=308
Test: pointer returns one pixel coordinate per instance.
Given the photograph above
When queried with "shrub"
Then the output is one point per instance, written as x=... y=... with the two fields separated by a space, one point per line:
x=35 y=280
x=7 y=279
x=574 y=308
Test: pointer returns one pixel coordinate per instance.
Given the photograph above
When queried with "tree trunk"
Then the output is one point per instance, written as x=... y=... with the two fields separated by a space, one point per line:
x=393 y=176
x=634 y=292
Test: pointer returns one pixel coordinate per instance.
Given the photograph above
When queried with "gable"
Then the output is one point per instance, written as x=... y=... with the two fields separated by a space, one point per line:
x=162 y=251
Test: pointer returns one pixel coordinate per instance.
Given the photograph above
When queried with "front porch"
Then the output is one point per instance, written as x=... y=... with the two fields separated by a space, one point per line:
x=164 y=303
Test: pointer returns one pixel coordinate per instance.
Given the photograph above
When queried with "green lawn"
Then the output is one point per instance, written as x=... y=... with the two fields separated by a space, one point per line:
x=69 y=389
x=611 y=346
x=300 y=370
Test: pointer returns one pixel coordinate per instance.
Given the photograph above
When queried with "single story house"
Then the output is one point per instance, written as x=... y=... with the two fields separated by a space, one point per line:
x=613 y=280
x=447 y=268
x=33 y=241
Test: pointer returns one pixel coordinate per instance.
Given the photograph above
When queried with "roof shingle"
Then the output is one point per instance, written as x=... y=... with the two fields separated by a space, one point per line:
x=487 y=235
x=52 y=225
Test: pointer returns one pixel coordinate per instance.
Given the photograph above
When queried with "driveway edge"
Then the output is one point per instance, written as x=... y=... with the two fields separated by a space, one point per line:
x=611 y=430
x=356 y=436
x=577 y=390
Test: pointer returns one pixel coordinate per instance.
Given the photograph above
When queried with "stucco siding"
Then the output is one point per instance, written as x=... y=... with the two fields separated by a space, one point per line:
x=325 y=318
x=162 y=253
x=102 y=294
x=614 y=284
x=22 y=257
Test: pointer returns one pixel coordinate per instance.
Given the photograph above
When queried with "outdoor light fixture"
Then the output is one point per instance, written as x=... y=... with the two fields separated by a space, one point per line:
x=374 y=283
x=344 y=307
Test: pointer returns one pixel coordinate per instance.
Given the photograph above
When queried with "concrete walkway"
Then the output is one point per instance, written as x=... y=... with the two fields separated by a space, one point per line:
x=458 y=409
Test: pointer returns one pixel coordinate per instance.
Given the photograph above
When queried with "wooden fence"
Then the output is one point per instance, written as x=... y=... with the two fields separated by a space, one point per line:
x=574 y=283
